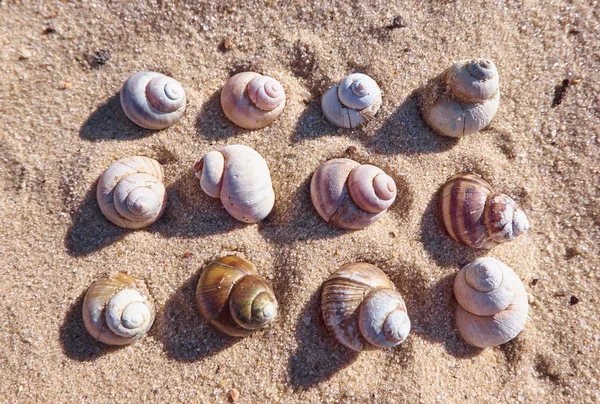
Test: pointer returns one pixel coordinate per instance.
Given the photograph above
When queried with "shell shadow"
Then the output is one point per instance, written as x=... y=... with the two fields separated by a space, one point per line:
x=185 y=336
x=312 y=124
x=109 y=122
x=318 y=355
x=76 y=341
x=212 y=123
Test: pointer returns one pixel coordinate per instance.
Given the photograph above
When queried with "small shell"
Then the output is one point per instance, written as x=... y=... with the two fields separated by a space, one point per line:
x=474 y=215
x=464 y=100
x=353 y=102
x=239 y=176
x=363 y=309
x=233 y=298
x=350 y=195
x=153 y=100
x=251 y=100
x=492 y=302
x=131 y=193
x=118 y=310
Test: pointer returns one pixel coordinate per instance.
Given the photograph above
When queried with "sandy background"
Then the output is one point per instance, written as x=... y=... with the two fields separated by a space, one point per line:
x=62 y=126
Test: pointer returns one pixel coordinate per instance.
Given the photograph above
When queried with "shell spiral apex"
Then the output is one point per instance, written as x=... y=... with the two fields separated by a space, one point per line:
x=362 y=308
x=153 y=100
x=492 y=303
x=353 y=102
x=350 y=195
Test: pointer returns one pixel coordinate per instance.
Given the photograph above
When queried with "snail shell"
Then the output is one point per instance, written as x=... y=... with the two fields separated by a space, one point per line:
x=118 y=310
x=475 y=215
x=153 y=100
x=233 y=298
x=251 y=100
x=363 y=309
x=350 y=195
x=465 y=100
x=353 y=102
x=492 y=303
x=239 y=176
x=131 y=193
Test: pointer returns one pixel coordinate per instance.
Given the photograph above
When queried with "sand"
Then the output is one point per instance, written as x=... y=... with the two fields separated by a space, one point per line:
x=62 y=125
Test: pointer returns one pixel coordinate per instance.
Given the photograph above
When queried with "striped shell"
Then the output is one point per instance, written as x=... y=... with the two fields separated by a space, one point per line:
x=251 y=100
x=492 y=303
x=131 y=193
x=239 y=176
x=350 y=195
x=362 y=308
x=475 y=215
x=464 y=100
x=233 y=298
x=118 y=310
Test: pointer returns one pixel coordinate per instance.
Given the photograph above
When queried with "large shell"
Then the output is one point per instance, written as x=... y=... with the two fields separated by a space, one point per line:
x=118 y=310
x=353 y=102
x=251 y=100
x=350 y=195
x=131 y=193
x=153 y=100
x=233 y=298
x=474 y=215
x=239 y=176
x=464 y=100
x=492 y=303
x=362 y=308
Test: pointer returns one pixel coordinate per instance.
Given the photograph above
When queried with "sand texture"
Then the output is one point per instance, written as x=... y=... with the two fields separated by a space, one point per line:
x=62 y=125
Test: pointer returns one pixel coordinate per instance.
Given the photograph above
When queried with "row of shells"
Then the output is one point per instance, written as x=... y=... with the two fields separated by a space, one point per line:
x=359 y=303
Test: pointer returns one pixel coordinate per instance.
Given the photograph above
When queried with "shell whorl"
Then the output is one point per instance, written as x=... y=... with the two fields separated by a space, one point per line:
x=350 y=195
x=251 y=100
x=474 y=215
x=240 y=177
x=153 y=100
x=492 y=303
x=362 y=308
x=131 y=193
x=353 y=102
x=117 y=310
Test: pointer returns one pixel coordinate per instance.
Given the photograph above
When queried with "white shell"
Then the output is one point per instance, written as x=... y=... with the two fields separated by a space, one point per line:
x=239 y=176
x=353 y=102
x=118 y=310
x=492 y=303
x=153 y=100
x=131 y=193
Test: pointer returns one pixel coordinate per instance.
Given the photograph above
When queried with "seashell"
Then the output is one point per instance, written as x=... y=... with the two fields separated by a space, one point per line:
x=118 y=310
x=475 y=215
x=353 y=102
x=251 y=100
x=233 y=298
x=153 y=100
x=464 y=99
x=350 y=195
x=492 y=303
x=239 y=176
x=131 y=193
x=363 y=309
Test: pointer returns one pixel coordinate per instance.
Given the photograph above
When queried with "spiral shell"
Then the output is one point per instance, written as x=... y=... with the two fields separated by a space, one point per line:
x=153 y=100
x=239 y=176
x=118 y=310
x=464 y=100
x=350 y=195
x=475 y=215
x=251 y=100
x=492 y=303
x=353 y=102
x=233 y=298
x=363 y=309
x=131 y=193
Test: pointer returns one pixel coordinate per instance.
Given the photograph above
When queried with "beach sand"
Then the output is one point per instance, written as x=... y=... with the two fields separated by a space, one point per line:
x=62 y=125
